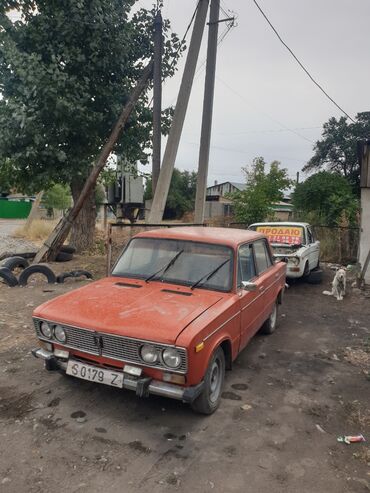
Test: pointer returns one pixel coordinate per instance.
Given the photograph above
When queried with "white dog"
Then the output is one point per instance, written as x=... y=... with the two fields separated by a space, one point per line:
x=338 y=285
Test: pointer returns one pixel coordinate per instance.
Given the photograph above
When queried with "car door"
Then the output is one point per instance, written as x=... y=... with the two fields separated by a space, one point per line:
x=254 y=265
x=314 y=249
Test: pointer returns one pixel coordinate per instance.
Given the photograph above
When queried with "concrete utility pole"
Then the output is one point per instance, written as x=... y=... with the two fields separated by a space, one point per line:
x=157 y=99
x=364 y=250
x=209 y=89
x=169 y=158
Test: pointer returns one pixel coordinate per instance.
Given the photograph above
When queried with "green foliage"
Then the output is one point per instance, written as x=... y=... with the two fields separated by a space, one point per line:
x=181 y=195
x=57 y=197
x=337 y=150
x=253 y=204
x=326 y=198
x=66 y=70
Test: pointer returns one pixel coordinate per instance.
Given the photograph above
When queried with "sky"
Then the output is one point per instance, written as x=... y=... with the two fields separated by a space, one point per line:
x=265 y=105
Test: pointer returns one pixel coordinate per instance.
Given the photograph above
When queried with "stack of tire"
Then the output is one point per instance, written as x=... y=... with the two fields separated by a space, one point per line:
x=20 y=262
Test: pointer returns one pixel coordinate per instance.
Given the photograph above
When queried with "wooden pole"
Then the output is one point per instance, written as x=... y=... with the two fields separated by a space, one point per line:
x=157 y=100
x=51 y=246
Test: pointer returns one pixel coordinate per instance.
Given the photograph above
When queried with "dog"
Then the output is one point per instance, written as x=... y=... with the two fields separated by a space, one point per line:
x=338 y=285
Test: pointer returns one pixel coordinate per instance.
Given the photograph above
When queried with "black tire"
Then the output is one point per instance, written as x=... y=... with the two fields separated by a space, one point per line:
x=27 y=255
x=37 y=269
x=8 y=276
x=67 y=249
x=61 y=277
x=81 y=272
x=271 y=323
x=306 y=271
x=315 y=277
x=209 y=400
x=14 y=262
x=64 y=257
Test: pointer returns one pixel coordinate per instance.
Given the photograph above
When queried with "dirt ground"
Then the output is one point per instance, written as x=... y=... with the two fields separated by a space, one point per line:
x=288 y=398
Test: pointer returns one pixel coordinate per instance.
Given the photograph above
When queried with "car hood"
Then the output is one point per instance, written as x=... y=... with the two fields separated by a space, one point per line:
x=152 y=311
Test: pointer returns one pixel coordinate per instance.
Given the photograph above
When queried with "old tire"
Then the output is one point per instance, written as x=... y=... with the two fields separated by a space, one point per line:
x=61 y=277
x=8 y=276
x=37 y=269
x=315 y=276
x=81 y=272
x=271 y=323
x=209 y=400
x=64 y=257
x=14 y=262
x=67 y=249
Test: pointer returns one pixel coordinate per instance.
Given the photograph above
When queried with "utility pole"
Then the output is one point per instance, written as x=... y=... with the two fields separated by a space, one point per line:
x=209 y=89
x=157 y=99
x=169 y=158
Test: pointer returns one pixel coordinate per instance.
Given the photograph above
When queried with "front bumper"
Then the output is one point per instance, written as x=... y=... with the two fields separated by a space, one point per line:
x=142 y=386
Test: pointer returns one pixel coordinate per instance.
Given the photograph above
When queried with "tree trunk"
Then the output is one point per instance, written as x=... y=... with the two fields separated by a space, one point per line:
x=83 y=228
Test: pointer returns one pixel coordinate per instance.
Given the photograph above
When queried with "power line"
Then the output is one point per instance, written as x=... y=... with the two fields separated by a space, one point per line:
x=263 y=112
x=300 y=63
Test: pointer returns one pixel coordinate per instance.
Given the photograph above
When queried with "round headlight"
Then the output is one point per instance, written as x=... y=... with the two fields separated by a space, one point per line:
x=60 y=334
x=148 y=354
x=294 y=260
x=45 y=330
x=171 y=357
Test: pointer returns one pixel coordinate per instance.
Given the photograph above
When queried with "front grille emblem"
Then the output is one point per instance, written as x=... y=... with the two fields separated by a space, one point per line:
x=98 y=341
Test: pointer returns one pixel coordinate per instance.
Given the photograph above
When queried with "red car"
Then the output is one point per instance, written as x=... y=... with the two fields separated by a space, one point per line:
x=178 y=308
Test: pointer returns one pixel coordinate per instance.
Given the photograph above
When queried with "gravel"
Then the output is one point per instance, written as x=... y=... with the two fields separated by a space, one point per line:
x=11 y=245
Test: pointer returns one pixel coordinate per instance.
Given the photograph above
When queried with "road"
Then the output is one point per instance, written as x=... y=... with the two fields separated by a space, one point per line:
x=10 y=244
x=287 y=399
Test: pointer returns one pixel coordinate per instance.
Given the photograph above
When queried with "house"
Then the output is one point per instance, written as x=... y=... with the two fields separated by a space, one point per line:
x=218 y=205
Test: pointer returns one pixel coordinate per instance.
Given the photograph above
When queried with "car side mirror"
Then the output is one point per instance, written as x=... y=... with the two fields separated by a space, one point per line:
x=249 y=286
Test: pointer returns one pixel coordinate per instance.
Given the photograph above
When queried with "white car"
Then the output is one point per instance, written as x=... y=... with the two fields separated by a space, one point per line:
x=295 y=242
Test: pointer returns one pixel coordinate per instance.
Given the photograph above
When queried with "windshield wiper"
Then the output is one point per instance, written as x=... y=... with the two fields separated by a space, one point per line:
x=208 y=276
x=165 y=267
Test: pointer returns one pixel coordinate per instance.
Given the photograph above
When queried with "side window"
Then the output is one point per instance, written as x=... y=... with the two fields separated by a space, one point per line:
x=263 y=259
x=246 y=268
x=310 y=236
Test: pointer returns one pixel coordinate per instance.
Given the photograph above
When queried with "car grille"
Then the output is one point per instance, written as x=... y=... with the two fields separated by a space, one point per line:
x=111 y=346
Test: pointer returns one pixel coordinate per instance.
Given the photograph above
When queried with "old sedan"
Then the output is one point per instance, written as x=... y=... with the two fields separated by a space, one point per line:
x=295 y=242
x=176 y=311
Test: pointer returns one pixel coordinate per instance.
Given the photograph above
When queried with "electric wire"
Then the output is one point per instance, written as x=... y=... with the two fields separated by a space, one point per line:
x=300 y=63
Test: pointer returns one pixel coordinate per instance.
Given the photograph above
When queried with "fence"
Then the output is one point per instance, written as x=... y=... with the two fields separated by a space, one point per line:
x=15 y=208
x=337 y=244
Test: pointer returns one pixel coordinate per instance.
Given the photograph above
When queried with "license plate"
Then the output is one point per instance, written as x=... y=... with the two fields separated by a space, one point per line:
x=94 y=374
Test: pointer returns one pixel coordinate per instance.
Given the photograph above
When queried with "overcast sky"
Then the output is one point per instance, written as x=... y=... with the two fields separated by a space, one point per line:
x=260 y=89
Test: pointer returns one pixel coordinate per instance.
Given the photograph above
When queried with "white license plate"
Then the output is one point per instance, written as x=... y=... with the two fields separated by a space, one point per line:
x=94 y=374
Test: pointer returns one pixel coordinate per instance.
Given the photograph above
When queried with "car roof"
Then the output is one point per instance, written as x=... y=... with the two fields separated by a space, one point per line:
x=279 y=223
x=221 y=236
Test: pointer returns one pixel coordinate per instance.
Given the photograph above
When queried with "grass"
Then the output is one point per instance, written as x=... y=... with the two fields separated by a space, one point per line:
x=38 y=231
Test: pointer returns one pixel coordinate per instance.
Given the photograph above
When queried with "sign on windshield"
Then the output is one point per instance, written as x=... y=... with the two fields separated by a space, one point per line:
x=291 y=235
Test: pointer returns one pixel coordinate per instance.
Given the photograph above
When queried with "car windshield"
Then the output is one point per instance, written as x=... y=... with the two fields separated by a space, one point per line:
x=281 y=234
x=177 y=262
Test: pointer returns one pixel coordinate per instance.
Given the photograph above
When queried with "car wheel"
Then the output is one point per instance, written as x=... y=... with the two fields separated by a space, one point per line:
x=271 y=323
x=315 y=276
x=209 y=400
x=306 y=271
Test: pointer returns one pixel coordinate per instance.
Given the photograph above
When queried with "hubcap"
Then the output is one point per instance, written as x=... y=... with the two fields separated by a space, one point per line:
x=215 y=380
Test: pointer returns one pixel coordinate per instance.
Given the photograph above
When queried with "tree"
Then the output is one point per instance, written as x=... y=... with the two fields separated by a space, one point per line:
x=181 y=195
x=253 y=204
x=326 y=198
x=337 y=150
x=66 y=70
x=57 y=197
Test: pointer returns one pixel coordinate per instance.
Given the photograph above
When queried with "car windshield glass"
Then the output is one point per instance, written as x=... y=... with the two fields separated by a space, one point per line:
x=144 y=257
x=282 y=234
